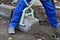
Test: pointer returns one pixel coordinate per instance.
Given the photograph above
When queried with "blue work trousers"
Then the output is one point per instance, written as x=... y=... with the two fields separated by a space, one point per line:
x=49 y=8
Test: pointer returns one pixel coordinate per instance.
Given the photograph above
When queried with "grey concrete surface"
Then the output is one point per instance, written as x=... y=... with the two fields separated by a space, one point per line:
x=6 y=10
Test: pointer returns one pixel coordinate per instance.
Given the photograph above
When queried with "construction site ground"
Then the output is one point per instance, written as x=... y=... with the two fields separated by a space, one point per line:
x=45 y=31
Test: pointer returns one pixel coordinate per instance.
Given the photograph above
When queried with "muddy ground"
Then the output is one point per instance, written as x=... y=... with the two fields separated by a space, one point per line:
x=45 y=31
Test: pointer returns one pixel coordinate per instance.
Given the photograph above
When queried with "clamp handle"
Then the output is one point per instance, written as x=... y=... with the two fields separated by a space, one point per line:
x=30 y=5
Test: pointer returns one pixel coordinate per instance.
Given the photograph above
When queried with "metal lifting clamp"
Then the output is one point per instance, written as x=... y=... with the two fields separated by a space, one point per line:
x=27 y=19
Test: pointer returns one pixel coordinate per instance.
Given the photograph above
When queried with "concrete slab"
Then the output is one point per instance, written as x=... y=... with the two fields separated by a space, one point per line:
x=6 y=10
x=28 y=22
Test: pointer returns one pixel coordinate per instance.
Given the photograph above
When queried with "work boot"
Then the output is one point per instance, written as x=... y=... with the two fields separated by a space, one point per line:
x=58 y=30
x=11 y=30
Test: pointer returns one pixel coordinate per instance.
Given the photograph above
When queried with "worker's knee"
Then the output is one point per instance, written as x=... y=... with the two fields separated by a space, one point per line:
x=21 y=4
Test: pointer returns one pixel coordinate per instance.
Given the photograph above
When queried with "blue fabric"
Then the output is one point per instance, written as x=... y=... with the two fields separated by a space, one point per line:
x=48 y=5
x=51 y=12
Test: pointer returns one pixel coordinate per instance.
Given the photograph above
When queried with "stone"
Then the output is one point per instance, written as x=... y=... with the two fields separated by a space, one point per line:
x=0 y=18
x=39 y=39
x=10 y=38
x=6 y=10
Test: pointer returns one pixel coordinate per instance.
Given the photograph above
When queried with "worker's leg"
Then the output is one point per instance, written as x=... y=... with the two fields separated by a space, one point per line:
x=16 y=16
x=17 y=13
x=51 y=12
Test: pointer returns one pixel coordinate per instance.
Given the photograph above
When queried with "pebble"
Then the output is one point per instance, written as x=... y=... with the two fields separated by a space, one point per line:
x=10 y=38
x=59 y=3
x=0 y=18
x=39 y=39
x=2 y=32
x=43 y=37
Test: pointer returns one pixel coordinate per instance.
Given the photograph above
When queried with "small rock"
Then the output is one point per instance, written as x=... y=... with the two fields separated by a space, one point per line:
x=59 y=3
x=10 y=38
x=0 y=18
x=43 y=37
x=39 y=39
x=2 y=32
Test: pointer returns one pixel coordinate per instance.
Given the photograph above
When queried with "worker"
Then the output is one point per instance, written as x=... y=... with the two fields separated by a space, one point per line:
x=49 y=8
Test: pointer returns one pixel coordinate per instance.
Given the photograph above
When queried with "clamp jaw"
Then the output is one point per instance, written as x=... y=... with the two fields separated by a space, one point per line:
x=27 y=14
x=27 y=18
